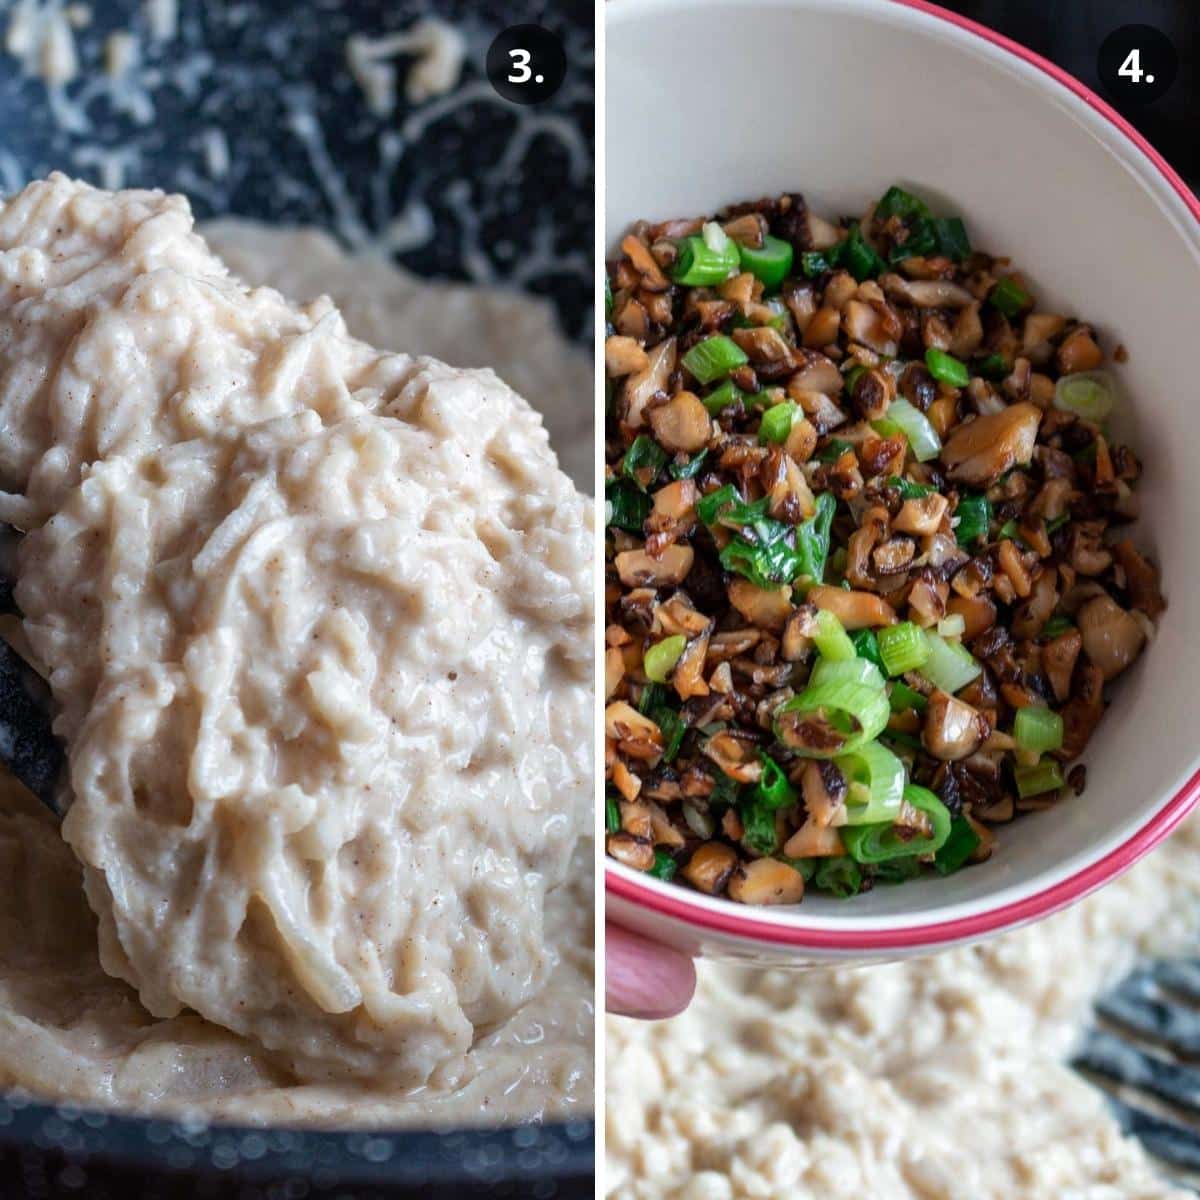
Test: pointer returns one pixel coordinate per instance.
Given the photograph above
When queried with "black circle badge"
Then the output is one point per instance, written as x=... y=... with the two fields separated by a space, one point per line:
x=1138 y=63
x=526 y=64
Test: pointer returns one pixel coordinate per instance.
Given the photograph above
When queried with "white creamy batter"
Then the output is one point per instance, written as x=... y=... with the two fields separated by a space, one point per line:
x=317 y=620
x=940 y=1079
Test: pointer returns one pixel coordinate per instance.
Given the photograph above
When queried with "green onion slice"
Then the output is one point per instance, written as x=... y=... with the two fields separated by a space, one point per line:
x=772 y=263
x=699 y=265
x=1088 y=394
x=643 y=461
x=903 y=698
x=915 y=426
x=831 y=717
x=612 y=815
x=1009 y=297
x=854 y=670
x=660 y=658
x=722 y=396
x=946 y=368
x=714 y=358
x=959 y=846
x=974 y=515
x=841 y=877
x=773 y=789
x=866 y=645
x=881 y=842
x=776 y=422
x=949 y=666
x=876 y=784
x=1038 y=729
x=664 y=866
x=1044 y=776
x=831 y=640
x=903 y=647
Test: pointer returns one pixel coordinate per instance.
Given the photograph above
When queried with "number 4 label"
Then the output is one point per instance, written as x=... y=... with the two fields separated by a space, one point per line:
x=1131 y=68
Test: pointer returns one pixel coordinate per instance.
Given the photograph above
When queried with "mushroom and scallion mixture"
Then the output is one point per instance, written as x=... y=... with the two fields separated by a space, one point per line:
x=867 y=575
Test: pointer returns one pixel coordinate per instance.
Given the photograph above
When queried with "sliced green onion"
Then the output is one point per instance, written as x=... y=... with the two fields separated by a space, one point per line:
x=709 y=508
x=1058 y=522
x=1042 y=777
x=831 y=640
x=994 y=367
x=673 y=727
x=1087 y=394
x=643 y=461
x=897 y=870
x=1009 y=297
x=840 y=877
x=920 y=243
x=952 y=240
x=876 y=784
x=608 y=299
x=915 y=426
x=714 y=358
x=833 y=450
x=881 y=842
x=776 y=422
x=974 y=515
x=898 y=737
x=771 y=264
x=664 y=866
x=909 y=489
x=626 y=506
x=1038 y=729
x=1007 y=531
x=612 y=815
x=699 y=265
x=959 y=846
x=952 y=626
x=653 y=694
x=854 y=670
x=758 y=826
x=850 y=713
x=866 y=645
x=896 y=202
x=773 y=789
x=814 y=263
x=659 y=660
x=949 y=666
x=806 y=866
x=689 y=469
x=946 y=368
x=903 y=647
x=722 y=396
x=859 y=258
x=1056 y=626
x=812 y=539
x=903 y=698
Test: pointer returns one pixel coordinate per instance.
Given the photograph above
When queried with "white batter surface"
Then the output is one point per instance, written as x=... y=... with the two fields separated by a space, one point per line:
x=316 y=618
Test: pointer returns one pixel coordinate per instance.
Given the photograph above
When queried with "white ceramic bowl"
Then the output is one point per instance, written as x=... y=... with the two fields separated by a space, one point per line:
x=712 y=101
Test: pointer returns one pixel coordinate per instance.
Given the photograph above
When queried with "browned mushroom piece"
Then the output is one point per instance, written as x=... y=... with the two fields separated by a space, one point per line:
x=921 y=515
x=709 y=868
x=649 y=381
x=1141 y=579
x=814 y=841
x=980 y=451
x=953 y=730
x=1081 y=714
x=1112 y=637
x=637 y=568
x=682 y=423
x=634 y=852
x=824 y=789
x=636 y=735
x=766 y=881
x=855 y=610
x=1058 y=661
x=688 y=676
x=934 y=293
x=736 y=756
x=768 y=609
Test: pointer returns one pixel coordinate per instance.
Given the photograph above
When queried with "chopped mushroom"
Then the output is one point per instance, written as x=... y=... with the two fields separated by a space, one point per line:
x=709 y=868
x=1112 y=638
x=953 y=730
x=636 y=568
x=980 y=451
x=855 y=610
x=681 y=424
x=766 y=881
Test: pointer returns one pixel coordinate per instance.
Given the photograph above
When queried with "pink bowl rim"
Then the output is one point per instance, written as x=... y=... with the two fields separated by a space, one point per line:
x=1066 y=891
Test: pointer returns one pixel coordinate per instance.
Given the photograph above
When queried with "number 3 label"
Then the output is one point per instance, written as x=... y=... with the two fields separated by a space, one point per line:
x=521 y=72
